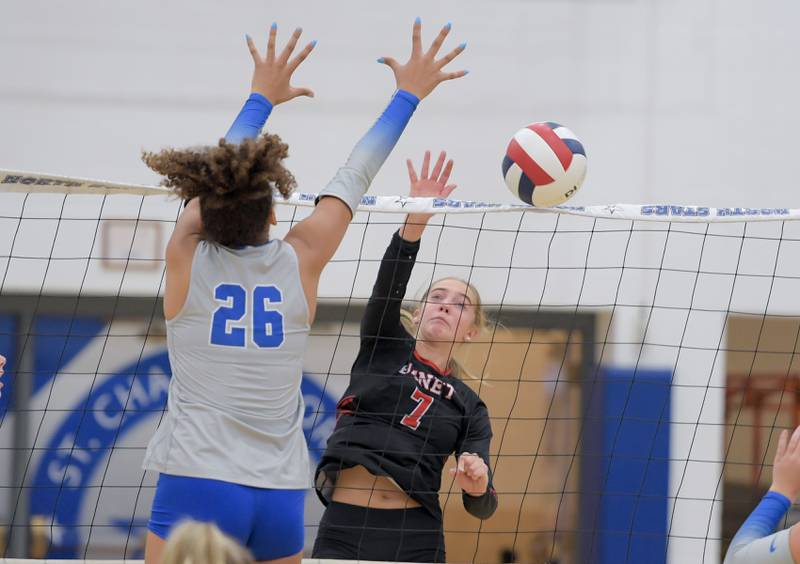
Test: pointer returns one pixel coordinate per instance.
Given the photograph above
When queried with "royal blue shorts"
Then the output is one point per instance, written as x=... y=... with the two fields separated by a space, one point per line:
x=268 y=522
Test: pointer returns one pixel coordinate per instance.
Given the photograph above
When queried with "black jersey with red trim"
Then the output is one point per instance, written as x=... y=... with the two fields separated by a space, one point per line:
x=402 y=416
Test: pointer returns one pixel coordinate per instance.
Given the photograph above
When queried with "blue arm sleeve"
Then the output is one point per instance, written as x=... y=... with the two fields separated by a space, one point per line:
x=251 y=119
x=353 y=179
x=762 y=521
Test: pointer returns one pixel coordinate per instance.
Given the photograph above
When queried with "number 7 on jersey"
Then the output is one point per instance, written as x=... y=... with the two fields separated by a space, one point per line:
x=424 y=403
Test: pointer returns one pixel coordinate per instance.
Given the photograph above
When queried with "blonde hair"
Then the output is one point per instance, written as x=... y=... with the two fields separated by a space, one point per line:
x=481 y=323
x=203 y=543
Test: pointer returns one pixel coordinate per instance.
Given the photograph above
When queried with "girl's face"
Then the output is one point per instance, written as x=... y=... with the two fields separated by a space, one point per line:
x=448 y=313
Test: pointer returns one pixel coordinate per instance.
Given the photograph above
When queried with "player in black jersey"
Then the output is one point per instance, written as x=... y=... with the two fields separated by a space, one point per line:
x=404 y=413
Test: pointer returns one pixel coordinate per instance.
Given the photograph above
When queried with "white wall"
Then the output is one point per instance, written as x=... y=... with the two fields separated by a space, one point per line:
x=680 y=100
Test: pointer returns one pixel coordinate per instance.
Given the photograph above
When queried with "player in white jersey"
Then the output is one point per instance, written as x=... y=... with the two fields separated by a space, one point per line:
x=756 y=542
x=230 y=449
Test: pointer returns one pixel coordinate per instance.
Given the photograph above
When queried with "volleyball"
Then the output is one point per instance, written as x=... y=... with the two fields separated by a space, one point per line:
x=544 y=164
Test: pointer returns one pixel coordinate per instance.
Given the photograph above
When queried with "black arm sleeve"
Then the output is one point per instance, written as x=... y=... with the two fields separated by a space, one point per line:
x=478 y=436
x=382 y=316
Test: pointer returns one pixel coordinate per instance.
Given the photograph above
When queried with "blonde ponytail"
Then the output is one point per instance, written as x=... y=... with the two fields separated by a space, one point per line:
x=203 y=543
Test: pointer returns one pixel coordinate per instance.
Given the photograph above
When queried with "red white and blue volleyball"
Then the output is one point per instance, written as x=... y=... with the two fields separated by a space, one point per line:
x=544 y=165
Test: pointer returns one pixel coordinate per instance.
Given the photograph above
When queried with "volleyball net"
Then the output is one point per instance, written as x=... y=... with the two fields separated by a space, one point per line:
x=639 y=364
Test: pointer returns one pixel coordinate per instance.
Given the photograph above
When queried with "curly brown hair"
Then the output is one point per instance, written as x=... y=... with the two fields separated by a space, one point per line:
x=234 y=182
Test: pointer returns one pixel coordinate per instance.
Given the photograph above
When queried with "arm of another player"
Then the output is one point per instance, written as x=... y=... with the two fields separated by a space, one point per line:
x=271 y=84
x=317 y=237
x=754 y=542
x=2 y=371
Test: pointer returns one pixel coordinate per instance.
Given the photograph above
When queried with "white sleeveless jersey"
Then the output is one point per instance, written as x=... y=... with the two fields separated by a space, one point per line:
x=235 y=411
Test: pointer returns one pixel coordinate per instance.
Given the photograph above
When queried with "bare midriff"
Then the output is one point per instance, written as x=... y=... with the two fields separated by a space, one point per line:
x=357 y=486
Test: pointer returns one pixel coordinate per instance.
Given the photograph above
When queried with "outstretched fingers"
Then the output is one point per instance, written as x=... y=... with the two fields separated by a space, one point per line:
x=389 y=62
x=295 y=92
x=295 y=62
x=439 y=40
x=448 y=169
x=287 y=51
x=412 y=174
x=451 y=55
x=426 y=163
x=272 y=75
x=251 y=46
x=453 y=75
x=273 y=37
x=416 y=38
x=437 y=168
x=423 y=72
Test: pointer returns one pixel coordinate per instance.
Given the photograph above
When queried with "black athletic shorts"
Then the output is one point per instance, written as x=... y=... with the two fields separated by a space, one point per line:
x=351 y=532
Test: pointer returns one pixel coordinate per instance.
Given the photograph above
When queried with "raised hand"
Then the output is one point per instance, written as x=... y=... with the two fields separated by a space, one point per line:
x=272 y=74
x=472 y=474
x=433 y=185
x=424 y=72
x=786 y=465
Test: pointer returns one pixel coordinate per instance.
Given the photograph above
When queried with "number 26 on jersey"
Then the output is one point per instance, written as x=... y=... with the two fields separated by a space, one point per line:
x=227 y=328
